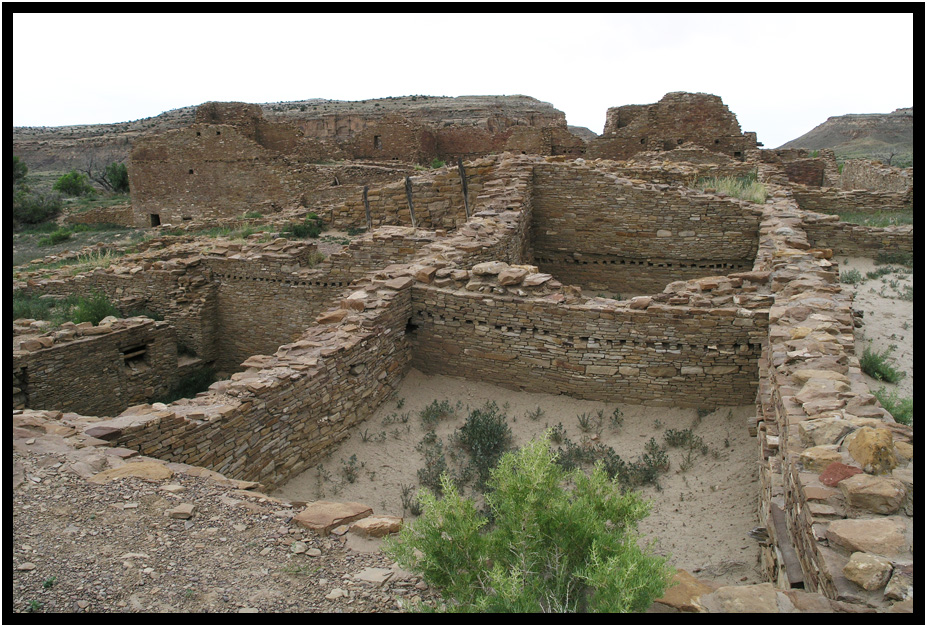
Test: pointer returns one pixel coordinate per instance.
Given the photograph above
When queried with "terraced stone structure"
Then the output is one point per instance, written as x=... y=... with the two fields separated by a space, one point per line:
x=492 y=272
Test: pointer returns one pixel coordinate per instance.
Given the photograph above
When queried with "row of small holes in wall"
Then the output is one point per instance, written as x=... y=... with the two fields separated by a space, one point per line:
x=217 y=133
x=283 y=281
x=632 y=262
x=567 y=339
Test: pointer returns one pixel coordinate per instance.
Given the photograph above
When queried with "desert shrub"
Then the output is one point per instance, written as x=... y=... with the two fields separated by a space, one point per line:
x=436 y=411
x=851 y=277
x=485 y=436
x=93 y=309
x=437 y=163
x=432 y=449
x=31 y=207
x=118 y=176
x=311 y=226
x=20 y=169
x=899 y=257
x=73 y=184
x=744 y=187
x=558 y=542
x=901 y=409
x=876 y=365
x=55 y=237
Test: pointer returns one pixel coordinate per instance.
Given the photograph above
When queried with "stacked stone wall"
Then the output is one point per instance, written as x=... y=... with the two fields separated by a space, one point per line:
x=590 y=228
x=835 y=468
x=854 y=240
x=830 y=200
x=95 y=370
x=662 y=355
x=121 y=215
x=805 y=171
x=874 y=176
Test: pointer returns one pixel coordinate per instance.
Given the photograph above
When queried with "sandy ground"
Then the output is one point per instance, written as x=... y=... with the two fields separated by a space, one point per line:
x=700 y=516
x=887 y=319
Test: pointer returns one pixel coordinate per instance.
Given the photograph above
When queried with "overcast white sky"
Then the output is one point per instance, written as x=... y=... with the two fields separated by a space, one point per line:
x=781 y=74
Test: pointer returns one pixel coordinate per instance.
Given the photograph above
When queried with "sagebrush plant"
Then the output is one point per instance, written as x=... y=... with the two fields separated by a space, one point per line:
x=901 y=409
x=876 y=365
x=485 y=436
x=745 y=187
x=851 y=277
x=559 y=542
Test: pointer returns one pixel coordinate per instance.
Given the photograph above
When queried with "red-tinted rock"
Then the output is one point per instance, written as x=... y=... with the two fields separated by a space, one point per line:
x=837 y=472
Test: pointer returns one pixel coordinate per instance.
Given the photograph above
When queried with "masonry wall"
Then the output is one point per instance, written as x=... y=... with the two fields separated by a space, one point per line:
x=659 y=356
x=874 y=176
x=830 y=200
x=277 y=418
x=858 y=241
x=678 y=118
x=805 y=171
x=121 y=215
x=602 y=232
x=99 y=374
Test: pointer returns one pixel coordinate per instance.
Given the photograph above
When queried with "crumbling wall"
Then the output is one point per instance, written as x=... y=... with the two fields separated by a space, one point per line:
x=678 y=118
x=875 y=176
x=854 y=240
x=603 y=232
x=394 y=138
x=121 y=215
x=94 y=370
x=805 y=171
x=834 y=201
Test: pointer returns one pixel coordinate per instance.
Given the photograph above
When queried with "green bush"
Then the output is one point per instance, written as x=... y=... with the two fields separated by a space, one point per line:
x=31 y=207
x=851 y=277
x=93 y=309
x=77 y=309
x=485 y=436
x=559 y=542
x=901 y=409
x=73 y=184
x=876 y=365
x=312 y=226
x=118 y=176
x=437 y=163
x=745 y=187
x=19 y=170
x=55 y=237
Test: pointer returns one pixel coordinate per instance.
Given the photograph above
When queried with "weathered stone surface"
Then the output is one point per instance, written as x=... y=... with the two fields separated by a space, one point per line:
x=684 y=591
x=330 y=317
x=873 y=449
x=904 y=450
x=837 y=472
x=148 y=470
x=489 y=268
x=817 y=458
x=802 y=376
x=820 y=431
x=870 y=572
x=370 y=574
x=182 y=511
x=377 y=526
x=757 y=598
x=535 y=279
x=900 y=586
x=882 y=495
x=323 y=516
x=512 y=276
x=882 y=536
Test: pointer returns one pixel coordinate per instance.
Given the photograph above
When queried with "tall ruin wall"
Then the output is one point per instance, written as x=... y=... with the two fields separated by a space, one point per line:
x=96 y=370
x=677 y=118
x=853 y=240
x=603 y=232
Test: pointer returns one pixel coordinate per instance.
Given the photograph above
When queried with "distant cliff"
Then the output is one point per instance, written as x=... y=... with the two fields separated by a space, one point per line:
x=865 y=136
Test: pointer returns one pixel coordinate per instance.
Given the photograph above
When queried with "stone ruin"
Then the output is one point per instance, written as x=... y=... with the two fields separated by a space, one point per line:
x=484 y=270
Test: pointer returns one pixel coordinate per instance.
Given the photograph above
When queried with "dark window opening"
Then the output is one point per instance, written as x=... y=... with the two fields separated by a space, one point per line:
x=643 y=140
x=679 y=142
x=155 y=219
x=717 y=141
x=135 y=357
x=191 y=170
x=197 y=133
x=218 y=132
x=737 y=154
x=377 y=142
x=187 y=218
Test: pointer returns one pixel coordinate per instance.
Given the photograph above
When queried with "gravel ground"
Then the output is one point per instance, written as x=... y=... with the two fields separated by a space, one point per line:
x=84 y=547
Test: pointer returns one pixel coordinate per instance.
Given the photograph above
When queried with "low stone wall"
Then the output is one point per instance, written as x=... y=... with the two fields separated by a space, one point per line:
x=875 y=176
x=94 y=370
x=835 y=468
x=834 y=201
x=826 y=231
x=121 y=215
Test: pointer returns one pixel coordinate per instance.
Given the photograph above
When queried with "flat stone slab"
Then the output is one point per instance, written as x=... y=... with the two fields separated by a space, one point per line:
x=323 y=516
x=373 y=575
x=150 y=471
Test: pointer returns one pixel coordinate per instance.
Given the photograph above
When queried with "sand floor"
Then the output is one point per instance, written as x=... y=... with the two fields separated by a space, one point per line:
x=699 y=516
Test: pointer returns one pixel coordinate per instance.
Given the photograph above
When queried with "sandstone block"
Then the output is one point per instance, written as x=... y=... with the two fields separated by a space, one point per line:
x=904 y=450
x=377 y=526
x=817 y=458
x=489 y=268
x=684 y=591
x=602 y=370
x=900 y=587
x=512 y=276
x=828 y=430
x=150 y=471
x=804 y=375
x=873 y=449
x=868 y=571
x=332 y=316
x=661 y=371
x=882 y=495
x=323 y=516
x=837 y=472
x=182 y=511
x=640 y=302
x=757 y=598
x=399 y=283
x=426 y=274
x=883 y=536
